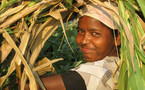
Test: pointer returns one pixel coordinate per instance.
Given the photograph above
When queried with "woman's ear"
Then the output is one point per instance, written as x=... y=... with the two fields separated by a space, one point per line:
x=118 y=39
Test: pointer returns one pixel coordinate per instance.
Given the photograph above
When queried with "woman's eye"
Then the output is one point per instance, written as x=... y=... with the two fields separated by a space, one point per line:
x=80 y=31
x=95 y=33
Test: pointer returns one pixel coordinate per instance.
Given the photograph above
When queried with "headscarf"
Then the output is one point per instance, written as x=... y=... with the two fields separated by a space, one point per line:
x=103 y=14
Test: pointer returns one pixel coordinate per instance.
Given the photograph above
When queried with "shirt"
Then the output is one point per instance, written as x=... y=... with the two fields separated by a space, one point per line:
x=93 y=75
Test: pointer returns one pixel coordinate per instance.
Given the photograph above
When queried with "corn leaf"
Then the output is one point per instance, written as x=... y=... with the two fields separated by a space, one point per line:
x=142 y=6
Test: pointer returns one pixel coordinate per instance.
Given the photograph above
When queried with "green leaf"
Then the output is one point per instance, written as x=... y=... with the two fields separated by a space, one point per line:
x=33 y=2
x=10 y=31
x=9 y=3
x=142 y=6
x=143 y=70
x=141 y=54
x=69 y=1
x=123 y=77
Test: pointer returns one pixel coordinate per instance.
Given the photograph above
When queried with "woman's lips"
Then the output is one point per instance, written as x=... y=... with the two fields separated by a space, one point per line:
x=87 y=50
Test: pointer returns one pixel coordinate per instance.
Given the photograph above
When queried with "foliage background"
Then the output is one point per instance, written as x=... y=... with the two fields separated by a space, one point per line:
x=55 y=47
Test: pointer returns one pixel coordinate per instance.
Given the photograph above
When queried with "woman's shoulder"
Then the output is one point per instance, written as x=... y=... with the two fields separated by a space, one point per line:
x=108 y=60
x=99 y=72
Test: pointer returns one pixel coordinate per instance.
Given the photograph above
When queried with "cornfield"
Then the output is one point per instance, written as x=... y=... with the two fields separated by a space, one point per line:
x=26 y=25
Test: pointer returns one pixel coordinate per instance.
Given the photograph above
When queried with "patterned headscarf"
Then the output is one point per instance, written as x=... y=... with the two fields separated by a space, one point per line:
x=105 y=15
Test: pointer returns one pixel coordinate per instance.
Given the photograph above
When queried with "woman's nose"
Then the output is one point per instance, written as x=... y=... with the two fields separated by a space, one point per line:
x=86 y=39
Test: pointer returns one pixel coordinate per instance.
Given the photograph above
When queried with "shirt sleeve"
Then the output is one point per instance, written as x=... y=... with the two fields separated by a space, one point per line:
x=73 y=81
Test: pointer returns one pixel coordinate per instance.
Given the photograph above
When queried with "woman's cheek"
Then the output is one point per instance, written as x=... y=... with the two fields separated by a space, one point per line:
x=78 y=39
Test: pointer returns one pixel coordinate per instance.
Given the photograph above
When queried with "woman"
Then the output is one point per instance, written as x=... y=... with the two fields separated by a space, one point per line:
x=99 y=45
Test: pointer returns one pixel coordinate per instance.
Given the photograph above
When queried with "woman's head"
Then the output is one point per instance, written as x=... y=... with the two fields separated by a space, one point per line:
x=95 y=39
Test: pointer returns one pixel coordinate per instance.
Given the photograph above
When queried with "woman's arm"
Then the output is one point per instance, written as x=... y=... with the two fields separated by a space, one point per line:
x=51 y=83
x=71 y=80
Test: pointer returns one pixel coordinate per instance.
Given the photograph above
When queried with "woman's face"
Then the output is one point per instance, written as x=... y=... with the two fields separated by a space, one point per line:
x=94 y=39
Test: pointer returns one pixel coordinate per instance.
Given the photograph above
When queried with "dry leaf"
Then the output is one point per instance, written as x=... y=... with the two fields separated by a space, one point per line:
x=27 y=69
x=80 y=2
x=45 y=65
x=5 y=50
x=12 y=11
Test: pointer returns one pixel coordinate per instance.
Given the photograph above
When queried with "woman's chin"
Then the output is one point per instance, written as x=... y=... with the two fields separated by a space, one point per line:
x=89 y=59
